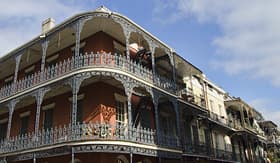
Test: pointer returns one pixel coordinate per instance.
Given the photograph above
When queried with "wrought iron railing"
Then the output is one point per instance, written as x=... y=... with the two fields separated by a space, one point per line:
x=83 y=132
x=224 y=155
x=79 y=132
x=188 y=96
x=99 y=60
x=221 y=119
x=205 y=150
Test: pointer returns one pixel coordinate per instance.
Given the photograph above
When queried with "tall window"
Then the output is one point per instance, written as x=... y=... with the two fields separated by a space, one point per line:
x=121 y=109
x=79 y=116
x=211 y=105
x=24 y=125
x=3 y=130
x=48 y=119
x=145 y=117
x=120 y=112
x=220 y=110
x=201 y=135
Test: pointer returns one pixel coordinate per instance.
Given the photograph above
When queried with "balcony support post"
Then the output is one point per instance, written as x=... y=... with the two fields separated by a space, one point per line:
x=34 y=158
x=75 y=90
x=18 y=57
x=176 y=108
x=127 y=32
x=172 y=61
x=78 y=27
x=128 y=91
x=44 y=45
x=155 y=101
x=153 y=48
x=127 y=29
x=130 y=157
x=72 y=155
x=75 y=83
x=11 y=107
x=39 y=96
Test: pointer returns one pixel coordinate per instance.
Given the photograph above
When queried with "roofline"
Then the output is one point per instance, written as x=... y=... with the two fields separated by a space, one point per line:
x=269 y=121
x=187 y=62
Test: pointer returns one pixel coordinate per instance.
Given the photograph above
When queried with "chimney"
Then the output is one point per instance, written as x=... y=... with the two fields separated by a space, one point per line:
x=47 y=25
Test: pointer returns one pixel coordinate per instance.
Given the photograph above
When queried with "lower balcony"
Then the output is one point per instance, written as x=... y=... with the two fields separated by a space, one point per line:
x=203 y=150
x=80 y=133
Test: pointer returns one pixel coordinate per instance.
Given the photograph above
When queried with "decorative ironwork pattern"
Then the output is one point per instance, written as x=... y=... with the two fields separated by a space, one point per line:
x=79 y=132
x=99 y=60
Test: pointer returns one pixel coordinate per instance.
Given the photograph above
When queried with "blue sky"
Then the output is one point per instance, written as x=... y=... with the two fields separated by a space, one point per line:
x=235 y=43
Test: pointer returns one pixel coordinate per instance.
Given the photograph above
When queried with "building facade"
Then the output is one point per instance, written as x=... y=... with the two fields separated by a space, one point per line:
x=100 y=88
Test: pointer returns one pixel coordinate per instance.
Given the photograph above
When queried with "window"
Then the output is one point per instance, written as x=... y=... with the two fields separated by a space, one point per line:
x=195 y=135
x=79 y=116
x=211 y=105
x=24 y=125
x=3 y=130
x=145 y=117
x=201 y=135
x=120 y=112
x=48 y=119
x=121 y=109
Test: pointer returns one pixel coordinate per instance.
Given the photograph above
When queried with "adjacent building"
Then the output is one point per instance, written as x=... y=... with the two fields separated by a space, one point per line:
x=100 y=87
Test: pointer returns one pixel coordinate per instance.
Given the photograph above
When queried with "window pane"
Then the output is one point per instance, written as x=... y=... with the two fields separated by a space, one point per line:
x=3 y=131
x=79 y=115
x=48 y=119
x=24 y=125
x=120 y=112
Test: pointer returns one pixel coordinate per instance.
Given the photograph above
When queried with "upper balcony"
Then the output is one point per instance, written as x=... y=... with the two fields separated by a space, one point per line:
x=187 y=95
x=87 y=62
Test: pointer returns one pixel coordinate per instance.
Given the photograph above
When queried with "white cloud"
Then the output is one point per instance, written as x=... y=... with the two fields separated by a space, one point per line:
x=20 y=20
x=250 y=38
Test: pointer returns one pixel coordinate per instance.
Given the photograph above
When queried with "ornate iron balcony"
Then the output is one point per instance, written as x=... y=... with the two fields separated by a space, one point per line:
x=99 y=60
x=80 y=132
